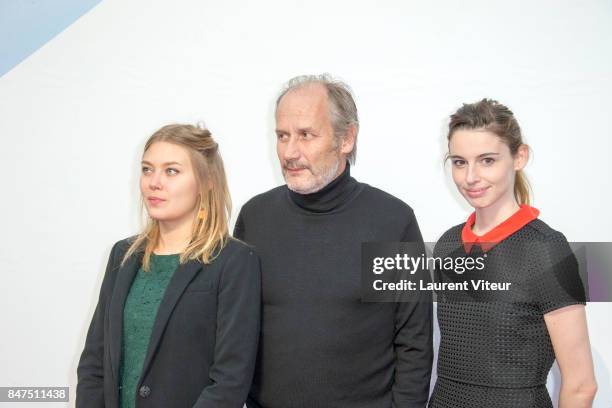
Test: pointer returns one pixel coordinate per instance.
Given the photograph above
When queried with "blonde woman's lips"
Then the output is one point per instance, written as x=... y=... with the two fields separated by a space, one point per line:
x=475 y=193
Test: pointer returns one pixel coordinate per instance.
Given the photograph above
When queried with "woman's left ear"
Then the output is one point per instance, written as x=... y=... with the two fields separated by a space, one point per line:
x=521 y=157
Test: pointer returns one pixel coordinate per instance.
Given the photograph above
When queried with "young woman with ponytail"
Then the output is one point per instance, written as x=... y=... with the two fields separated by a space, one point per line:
x=496 y=348
x=177 y=320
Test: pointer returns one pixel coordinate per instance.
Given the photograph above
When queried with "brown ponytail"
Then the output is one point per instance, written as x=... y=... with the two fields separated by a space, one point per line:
x=521 y=188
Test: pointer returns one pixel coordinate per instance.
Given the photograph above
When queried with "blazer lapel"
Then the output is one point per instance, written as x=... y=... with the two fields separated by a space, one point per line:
x=179 y=281
x=123 y=283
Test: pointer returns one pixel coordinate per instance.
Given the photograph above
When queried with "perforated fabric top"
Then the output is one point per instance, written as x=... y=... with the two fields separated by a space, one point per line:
x=499 y=338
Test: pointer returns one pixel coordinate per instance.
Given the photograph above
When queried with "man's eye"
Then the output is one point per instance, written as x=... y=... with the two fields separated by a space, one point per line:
x=282 y=136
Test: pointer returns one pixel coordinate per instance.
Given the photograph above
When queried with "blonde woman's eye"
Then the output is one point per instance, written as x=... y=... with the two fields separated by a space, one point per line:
x=458 y=163
x=145 y=169
x=172 y=171
x=488 y=161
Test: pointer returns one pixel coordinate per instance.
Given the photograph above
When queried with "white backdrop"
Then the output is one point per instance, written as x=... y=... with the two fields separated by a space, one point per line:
x=75 y=114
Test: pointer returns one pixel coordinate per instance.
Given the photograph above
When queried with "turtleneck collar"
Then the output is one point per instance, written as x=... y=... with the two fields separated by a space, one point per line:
x=330 y=197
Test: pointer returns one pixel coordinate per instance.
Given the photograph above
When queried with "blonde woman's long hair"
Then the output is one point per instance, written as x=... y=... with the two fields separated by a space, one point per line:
x=210 y=231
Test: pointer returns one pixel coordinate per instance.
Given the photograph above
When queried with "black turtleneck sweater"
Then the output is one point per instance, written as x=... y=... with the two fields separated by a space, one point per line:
x=320 y=346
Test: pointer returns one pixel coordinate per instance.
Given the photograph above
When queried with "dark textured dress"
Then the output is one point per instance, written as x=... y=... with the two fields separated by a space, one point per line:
x=495 y=350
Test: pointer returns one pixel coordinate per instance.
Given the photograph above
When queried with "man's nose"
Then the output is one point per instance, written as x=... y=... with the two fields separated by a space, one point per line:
x=292 y=149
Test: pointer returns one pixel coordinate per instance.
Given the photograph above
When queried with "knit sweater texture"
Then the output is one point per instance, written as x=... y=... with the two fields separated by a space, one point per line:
x=320 y=345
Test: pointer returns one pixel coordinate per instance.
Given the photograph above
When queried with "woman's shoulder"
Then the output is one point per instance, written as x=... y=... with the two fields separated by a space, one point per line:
x=452 y=234
x=235 y=249
x=234 y=245
x=121 y=247
x=238 y=261
x=449 y=241
x=541 y=231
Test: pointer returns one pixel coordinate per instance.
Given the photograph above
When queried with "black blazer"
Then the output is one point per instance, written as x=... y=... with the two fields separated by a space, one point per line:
x=204 y=340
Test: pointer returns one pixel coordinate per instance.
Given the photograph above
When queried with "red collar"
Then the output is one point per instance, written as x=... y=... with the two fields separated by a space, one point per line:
x=518 y=220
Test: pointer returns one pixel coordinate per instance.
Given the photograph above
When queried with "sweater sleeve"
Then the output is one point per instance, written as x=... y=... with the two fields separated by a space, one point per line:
x=90 y=371
x=238 y=322
x=413 y=341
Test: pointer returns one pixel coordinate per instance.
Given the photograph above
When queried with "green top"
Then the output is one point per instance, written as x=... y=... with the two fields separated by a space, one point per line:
x=139 y=315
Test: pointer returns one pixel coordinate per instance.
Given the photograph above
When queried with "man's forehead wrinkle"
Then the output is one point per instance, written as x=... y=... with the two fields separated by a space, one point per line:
x=298 y=115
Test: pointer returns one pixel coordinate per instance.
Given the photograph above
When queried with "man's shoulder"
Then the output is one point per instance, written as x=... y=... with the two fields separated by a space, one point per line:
x=272 y=197
x=384 y=200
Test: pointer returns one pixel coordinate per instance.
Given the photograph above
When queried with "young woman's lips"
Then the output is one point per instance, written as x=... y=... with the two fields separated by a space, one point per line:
x=155 y=201
x=476 y=193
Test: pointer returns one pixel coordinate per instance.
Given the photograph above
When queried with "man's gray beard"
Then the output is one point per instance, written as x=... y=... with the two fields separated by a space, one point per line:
x=320 y=181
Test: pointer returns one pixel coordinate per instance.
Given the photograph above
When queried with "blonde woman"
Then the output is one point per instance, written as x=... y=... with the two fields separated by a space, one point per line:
x=177 y=319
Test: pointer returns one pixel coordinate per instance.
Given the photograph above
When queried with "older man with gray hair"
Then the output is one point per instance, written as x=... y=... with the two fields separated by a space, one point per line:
x=320 y=345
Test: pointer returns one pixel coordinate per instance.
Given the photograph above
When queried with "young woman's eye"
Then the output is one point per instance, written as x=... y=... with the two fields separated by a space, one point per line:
x=171 y=172
x=458 y=163
x=488 y=161
x=146 y=169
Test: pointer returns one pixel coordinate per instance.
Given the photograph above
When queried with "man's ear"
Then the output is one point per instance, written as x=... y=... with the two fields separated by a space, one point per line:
x=348 y=141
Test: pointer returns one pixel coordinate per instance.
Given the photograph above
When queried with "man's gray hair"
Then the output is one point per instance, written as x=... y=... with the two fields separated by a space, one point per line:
x=342 y=108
